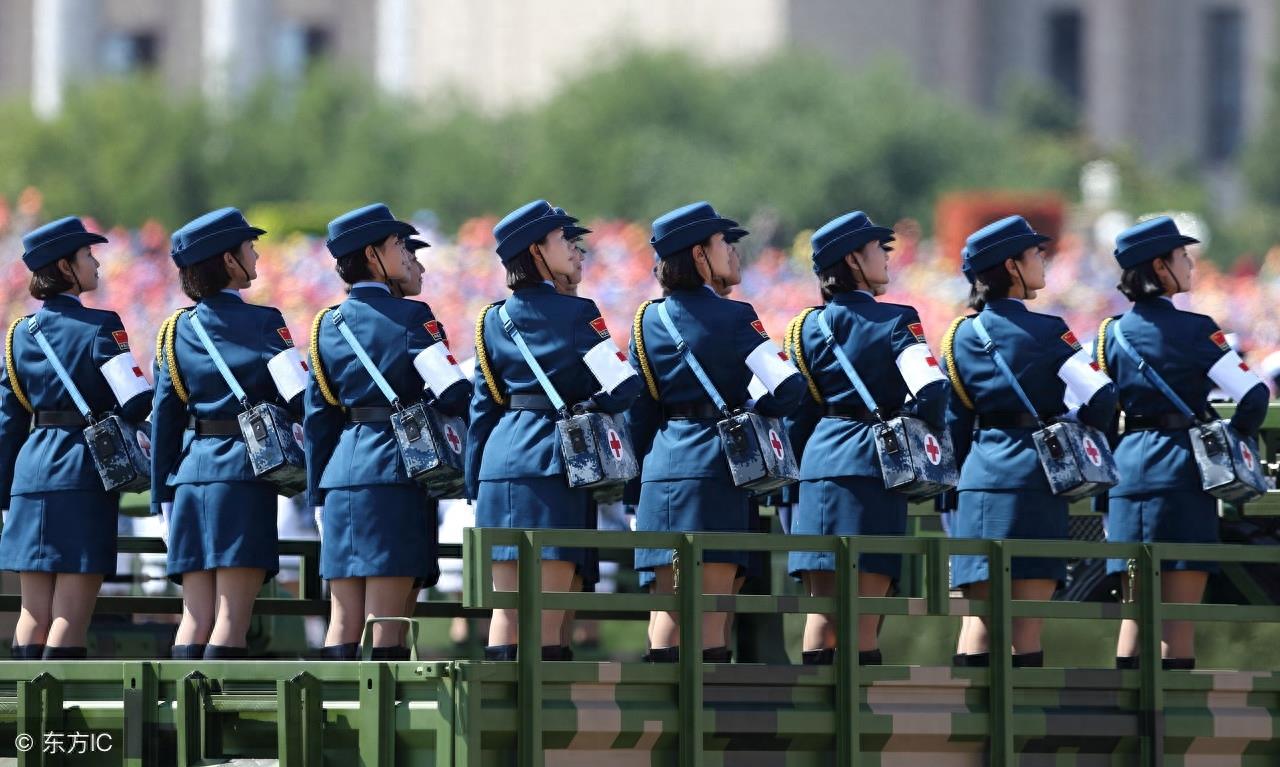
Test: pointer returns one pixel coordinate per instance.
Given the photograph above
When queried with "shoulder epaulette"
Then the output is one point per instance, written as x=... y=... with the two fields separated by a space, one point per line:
x=949 y=358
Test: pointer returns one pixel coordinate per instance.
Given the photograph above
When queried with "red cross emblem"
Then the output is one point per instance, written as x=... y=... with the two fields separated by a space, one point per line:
x=931 y=361
x=776 y=444
x=615 y=445
x=137 y=371
x=1091 y=452
x=932 y=449
x=455 y=442
x=1247 y=455
x=622 y=356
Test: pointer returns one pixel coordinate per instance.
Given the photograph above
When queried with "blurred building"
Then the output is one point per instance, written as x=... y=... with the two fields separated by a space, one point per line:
x=1182 y=80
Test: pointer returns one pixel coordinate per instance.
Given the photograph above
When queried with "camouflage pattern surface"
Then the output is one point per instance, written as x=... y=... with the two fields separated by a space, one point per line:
x=597 y=453
x=915 y=460
x=274 y=441
x=1230 y=466
x=759 y=452
x=121 y=453
x=1076 y=459
x=432 y=445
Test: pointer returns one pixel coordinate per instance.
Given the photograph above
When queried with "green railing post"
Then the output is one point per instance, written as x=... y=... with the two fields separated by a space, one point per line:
x=188 y=719
x=299 y=738
x=39 y=711
x=377 y=736
x=529 y=654
x=688 y=572
x=938 y=589
x=1150 y=667
x=848 y=734
x=140 y=695
x=1000 y=645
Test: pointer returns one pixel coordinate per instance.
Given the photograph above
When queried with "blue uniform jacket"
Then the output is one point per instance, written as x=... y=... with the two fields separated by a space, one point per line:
x=1182 y=347
x=873 y=336
x=721 y=333
x=393 y=332
x=1035 y=346
x=57 y=458
x=504 y=443
x=248 y=337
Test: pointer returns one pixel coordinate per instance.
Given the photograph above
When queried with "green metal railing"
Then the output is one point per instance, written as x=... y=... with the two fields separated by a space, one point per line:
x=847 y=605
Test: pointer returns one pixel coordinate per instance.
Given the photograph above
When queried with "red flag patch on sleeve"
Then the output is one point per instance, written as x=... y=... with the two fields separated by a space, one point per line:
x=759 y=326
x=121 y=338
x=284 y=335
x=433 y=328
x=1070 y=339
x=600 y=327
x=1220 y=338
x=917 y=330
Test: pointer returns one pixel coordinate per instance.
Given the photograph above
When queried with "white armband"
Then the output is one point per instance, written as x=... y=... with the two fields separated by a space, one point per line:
x=1083 y=379
x=437 y=368
x=770 y=365
x=289 y=373
x=755 y=389
x=608 y=364
x=1233 y=376
x=124 y=377
x=919 y=367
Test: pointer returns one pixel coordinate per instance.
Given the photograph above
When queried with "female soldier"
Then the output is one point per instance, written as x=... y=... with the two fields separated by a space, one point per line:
x=685 y=481
x=842 y=491
x=1159 y=497
x=376 y=525
x=1003 y=492
x=514 y=464
x=60 y=531
x=221 y=518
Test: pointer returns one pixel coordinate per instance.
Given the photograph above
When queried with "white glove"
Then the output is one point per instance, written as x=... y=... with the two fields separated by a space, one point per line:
x=166 y=511
x=318 y=511
x=4 y=518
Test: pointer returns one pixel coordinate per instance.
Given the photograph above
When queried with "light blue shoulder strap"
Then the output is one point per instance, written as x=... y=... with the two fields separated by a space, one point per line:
x=58 y=369
x=989 y=347
x=846 y=365
x=556 y=401
x=218 y=362
x=340 y=322
x=691 y=360
x=1150 y=373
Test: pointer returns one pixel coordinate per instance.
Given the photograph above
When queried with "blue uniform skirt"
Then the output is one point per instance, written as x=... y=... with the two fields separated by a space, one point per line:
x=1181 y=516
x=706 y=504
x=63 y=531
x=1004 y=514
x=379 y=530
x=223 y=524
x=848 y=506
x=546 y=503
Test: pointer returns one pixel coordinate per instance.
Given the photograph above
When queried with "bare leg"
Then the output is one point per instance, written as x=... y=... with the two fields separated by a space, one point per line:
x=385 y=597
x=717 y=578
x=819 y=628
x=74 y=595
x=197 y=608
x=236 y=589
x=557 y=576
x=346 y=611
x=37 y=608
x=975 y=637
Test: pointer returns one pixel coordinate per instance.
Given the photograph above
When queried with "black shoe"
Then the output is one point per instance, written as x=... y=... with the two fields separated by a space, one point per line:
x=500 y=652
x=398 y=652
x=717 y=655
x=870 y=657
x=824 y=657
x=1178 y=664
x=978 y=660
x=222 y=652
x=960 y=660
x=1029 y=659
x=348 y=651
x=64 y=653
x=1127 y=662
x=662 y=655
x=26 y=651
x=187 y=652
x=556 y=652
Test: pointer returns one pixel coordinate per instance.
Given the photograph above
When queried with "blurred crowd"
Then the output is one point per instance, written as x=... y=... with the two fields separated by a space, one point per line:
x=463 y=274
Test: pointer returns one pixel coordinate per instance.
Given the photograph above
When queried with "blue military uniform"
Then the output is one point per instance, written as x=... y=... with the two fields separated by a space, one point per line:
x=60 y=518
x=376 y=520
x=685 y=482
x=222 y=515
x=1159 y=497
x=515 y=470
x=1003 y=492
x=842 y=490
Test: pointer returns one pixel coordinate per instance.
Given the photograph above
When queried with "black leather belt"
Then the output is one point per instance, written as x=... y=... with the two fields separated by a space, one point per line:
x=691 y=411
x=1165 y=421
x=1007 y=421
x=530 y=402
x=369 y=414
x=59 y=418
x=848 y=410
x=213 y=427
